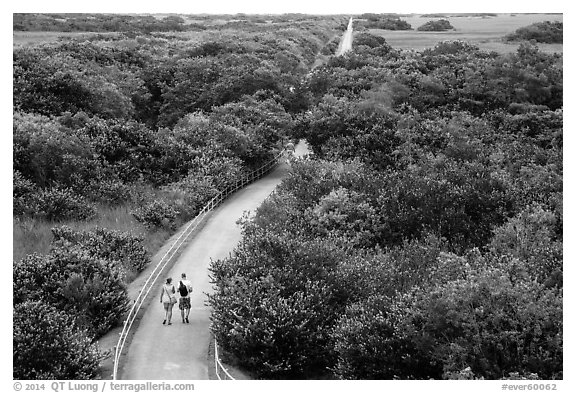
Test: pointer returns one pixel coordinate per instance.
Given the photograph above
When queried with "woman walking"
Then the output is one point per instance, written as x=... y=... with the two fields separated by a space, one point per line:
x=170 y=300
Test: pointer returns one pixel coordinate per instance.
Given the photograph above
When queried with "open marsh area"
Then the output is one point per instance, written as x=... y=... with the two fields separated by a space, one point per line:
x=486 y=32
x=23 y=38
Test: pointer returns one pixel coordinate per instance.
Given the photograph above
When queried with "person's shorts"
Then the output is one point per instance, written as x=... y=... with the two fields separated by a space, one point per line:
x=168 y=305
x=184 y=303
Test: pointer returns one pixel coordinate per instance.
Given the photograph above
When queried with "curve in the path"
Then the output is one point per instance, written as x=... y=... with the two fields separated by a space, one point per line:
x=180 y=351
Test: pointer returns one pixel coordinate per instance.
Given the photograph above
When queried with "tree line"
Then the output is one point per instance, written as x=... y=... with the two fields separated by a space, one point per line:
x=147 y=23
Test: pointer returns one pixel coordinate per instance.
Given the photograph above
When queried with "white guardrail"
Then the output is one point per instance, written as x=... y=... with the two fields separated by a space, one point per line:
x=167 y=257
x=218 y=364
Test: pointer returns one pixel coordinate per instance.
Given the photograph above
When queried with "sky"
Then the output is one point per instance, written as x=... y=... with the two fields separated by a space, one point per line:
x=286 y=6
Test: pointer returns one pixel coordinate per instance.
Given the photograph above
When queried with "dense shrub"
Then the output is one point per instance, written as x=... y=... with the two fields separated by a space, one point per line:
x=346 y=214
x=96 y=22
x=386 y=22
x=132 y=151
x=452 y=47
x=279 y=335
x=459 y=201
x=547 y=32
x=123 y=247
x=436 y=25
x=331 y=47
x=156 y=214
x=397 y=270
x=47 y=153
x=372 y=343
x=47 y=344
x=57 y=204
x=22 y=194
x=530 y=236
x=494 y=322
x=221 y=172
x=88 y=288
x=369 y=40
x=108 y=191
x=191 y=194
x=489 y=321
x=42 y=86
x=366 y=44
x=52 y=203
x=277 y=299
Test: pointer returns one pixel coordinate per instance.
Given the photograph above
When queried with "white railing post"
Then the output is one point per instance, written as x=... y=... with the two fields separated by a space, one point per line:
x=218 y=363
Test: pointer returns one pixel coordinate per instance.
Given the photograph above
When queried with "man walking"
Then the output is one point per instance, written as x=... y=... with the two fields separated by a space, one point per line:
x=184 y=288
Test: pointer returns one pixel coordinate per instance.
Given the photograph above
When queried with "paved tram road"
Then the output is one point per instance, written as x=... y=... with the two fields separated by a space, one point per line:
x=346 y=43
x=180 y=351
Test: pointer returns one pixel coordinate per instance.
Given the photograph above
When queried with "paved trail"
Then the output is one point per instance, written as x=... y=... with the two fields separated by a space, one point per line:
x=180 y=351
x=346 y=43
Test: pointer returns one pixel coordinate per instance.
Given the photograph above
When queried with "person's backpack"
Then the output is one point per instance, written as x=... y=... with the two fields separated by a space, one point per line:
x=183 y=289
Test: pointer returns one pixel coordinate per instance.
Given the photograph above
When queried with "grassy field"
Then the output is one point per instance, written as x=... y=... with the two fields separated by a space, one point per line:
x=485 y=32
x=27 y=38
x=23 y=38
x=35 y=236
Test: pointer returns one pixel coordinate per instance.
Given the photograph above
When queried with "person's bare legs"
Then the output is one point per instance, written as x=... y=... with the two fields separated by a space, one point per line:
x=169 y=313
x=166 y=308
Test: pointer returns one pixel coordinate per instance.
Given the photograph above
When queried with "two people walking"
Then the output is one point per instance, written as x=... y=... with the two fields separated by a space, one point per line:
x=169 y=290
